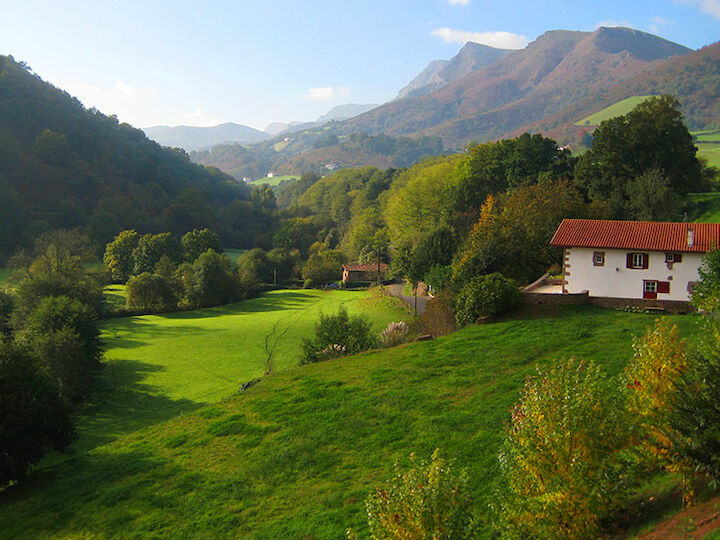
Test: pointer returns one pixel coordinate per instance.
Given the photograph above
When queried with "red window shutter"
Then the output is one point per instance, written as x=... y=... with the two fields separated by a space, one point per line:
x=663 y=287
x=678 y=257
x=646 y=260
x=628 y=261
x=649 y=295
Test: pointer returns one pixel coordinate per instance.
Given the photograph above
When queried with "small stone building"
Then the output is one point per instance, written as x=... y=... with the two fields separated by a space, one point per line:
x=363 y=272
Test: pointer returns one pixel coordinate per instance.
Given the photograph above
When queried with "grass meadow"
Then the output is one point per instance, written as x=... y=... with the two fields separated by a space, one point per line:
x=295 y=455
x=274 y=181
x=708 y=144
x=616 y=109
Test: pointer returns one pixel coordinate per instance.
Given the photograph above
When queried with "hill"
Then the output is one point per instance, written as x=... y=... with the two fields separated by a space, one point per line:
x=693 y=78
x=343 y=112
x=196 y=138
x=62 y=165
x=440 y=73
x=558 y=68
x=296 y=455
x=616 y=109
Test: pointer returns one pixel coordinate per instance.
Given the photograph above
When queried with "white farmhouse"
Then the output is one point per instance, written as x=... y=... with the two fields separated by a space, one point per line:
x=655 y=261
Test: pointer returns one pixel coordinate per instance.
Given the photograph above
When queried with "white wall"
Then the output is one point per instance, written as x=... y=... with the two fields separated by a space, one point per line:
x=614 y=280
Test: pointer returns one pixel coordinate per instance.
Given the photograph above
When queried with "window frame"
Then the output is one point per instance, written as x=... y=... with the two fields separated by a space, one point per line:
x=653 y=286
x=598 y=258
x=640 y=265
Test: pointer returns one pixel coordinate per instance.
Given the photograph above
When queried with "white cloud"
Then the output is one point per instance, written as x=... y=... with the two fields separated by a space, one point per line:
x=657 y=24
x=500 y=40
x=711 y=7
x=325 y=93
x=614 y=24
x=458 y=2
x=119 y=91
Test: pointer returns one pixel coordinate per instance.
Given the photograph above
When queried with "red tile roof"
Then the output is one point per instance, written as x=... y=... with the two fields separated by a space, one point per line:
x=369 y=267
x=641 y=235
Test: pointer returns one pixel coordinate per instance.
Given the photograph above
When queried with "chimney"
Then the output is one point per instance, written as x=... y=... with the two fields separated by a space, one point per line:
x=691 y=238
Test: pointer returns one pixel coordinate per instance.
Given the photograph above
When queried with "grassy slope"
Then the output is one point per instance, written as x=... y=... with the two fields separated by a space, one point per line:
x=708 y=143
x=708 y=205
x=274 y=181
x=616 y=109
x=296 y=455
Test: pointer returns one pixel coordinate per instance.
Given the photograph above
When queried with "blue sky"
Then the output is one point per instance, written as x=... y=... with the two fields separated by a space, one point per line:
x=256 y=61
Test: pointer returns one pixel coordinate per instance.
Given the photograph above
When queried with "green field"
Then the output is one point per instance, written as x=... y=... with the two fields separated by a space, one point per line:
x=274 y=181
x=616 y=109
x=234 y=254
x=707 y=206
x=296 y=455
x=8 y=278
x=708 y=144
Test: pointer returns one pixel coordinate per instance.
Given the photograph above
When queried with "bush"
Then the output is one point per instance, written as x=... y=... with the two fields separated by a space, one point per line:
x=150 y=293
x=429 y=500
x=562 y=466
x=491 y=294
x=342 y=333
x=439 y=317
x=33 y=418
x=395 y=334
x=706 y=293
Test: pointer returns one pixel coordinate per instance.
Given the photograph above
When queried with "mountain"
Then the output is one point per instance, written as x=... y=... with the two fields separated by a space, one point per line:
x=196 y=138
x=693 y=78
x=440 y=73
x=343 y=112
x=65 y=166
x=559 y=68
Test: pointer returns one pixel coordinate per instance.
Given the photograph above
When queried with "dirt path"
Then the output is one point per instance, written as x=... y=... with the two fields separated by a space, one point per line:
x=396 y=289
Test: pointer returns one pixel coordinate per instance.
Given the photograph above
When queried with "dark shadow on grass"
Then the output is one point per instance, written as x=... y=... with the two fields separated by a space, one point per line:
x=123 y=403
x=280 y=301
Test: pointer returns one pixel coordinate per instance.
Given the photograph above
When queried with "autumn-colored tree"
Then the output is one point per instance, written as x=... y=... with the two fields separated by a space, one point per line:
x=562 y=463
x=651 y=378
x=429 y=500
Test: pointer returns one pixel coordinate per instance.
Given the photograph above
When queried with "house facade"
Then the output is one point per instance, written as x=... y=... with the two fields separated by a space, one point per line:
x=363 y=272
x=641 y=260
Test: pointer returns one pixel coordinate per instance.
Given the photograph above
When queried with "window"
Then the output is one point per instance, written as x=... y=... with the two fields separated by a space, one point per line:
x=673 y=257
x=638 y=260
x=650 y=289
x=598 y=258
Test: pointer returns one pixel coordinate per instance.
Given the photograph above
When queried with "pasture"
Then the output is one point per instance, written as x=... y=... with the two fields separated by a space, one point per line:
x=274 y=181
x=616 y=109
x=296 y=455
x=708 y=144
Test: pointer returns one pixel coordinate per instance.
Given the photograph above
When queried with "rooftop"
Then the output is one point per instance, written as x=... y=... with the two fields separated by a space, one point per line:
x=641 y=235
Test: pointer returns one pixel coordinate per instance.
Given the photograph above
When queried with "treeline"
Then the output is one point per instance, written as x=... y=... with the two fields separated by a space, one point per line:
x=50 y=350
x=63 y=166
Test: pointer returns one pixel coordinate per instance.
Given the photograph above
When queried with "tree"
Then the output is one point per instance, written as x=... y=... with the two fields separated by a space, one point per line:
x=119 y=255
x=150 y=293
x=706 y=293
x=323 y=267
x=197 y=242
x=263 y=197
x=561 y=464
x=429 y=500
x=211 y=281
x=256 y=261
x=338 y=335
x=7 y=304
x=150 y=248
x=651 y=137
x=33 y=418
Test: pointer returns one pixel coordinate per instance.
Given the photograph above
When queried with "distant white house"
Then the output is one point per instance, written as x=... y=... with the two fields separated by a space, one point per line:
x=270 y=174
x=633 y=259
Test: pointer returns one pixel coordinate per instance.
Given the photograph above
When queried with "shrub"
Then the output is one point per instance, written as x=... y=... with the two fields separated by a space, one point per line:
x=150 y=293
x=562 y=466
x=706 y=293
x=696 y=415
x=439 y=317
x=339 y=330
x=429 y=500
x=33 y=418
x=395 y=334
x=491 y=294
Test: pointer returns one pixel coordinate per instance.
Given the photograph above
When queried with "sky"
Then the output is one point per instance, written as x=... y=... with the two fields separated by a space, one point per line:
x=201 y=63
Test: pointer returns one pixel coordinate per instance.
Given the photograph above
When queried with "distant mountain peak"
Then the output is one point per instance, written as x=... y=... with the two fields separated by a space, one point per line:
x=198 y=138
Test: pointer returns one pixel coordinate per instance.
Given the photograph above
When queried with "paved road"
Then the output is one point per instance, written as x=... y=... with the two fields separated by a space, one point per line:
x=396 y=289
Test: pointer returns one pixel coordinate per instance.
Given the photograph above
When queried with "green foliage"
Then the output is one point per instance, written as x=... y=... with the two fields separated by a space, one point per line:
x=340 y=333
x=650 y=197
x=394 y=334
x=255 y=262
x=491 y=294
x=52 y=148
x=197 y=242
x=492 y=168
x=651 y=137
x=706 y=293
x=696 y=415
x=430 y=500
x=33 y=419
x=119 y=255
x=150 y=293
x=323 y=267
x=7 y=304
x=562 y=466
x=150 y=248
x=513 y=233
x=211 y=280
x=263 y=197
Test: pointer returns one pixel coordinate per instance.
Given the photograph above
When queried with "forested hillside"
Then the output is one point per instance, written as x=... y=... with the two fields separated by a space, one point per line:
x=65 y=166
